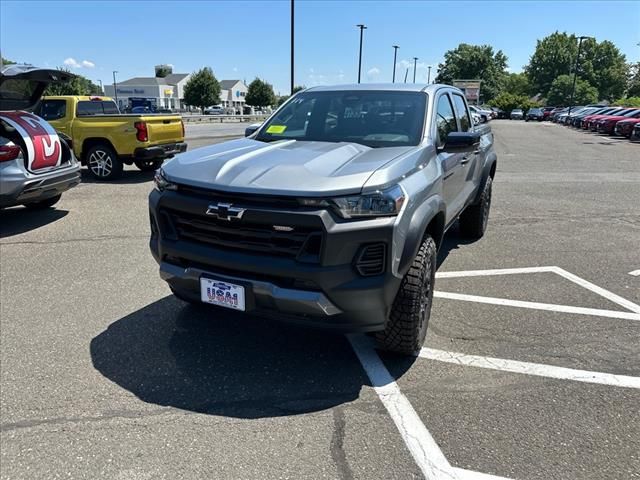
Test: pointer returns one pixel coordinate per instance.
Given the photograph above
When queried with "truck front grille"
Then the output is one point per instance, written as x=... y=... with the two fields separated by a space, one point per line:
x=301 y=243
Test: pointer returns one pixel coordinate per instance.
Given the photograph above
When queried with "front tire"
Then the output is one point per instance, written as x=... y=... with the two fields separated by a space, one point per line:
x=42 y=204
x=103 y=163
x=148 y=165
x=474 y=219
x=407 y=324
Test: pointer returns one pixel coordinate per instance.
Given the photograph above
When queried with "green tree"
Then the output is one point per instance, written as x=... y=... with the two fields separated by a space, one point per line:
x=560 y=92
x=6 y=61
x=260 y=94
x=202 y=89
x=472 y=62
x=508 y=101
x=601 y=64
x=162 y=72
x=633 y=80
x=76 y=85
x=628 y=102
x=517 y=84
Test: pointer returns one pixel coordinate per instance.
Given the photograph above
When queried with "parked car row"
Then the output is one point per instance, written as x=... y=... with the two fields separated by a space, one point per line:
x=620 y=121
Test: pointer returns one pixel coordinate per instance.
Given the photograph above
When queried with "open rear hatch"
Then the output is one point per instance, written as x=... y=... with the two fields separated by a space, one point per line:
x=21 y=87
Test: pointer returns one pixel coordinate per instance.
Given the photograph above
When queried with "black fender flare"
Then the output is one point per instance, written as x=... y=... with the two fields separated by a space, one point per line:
x=488 y=170
x=427 y=218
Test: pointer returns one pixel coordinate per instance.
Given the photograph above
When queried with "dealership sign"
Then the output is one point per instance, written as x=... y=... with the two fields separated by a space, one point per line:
x=133 y=90
x=471 y=89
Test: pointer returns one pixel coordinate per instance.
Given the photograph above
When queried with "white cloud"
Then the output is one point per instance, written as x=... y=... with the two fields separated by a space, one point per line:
x=373 y=73
x=73 y=63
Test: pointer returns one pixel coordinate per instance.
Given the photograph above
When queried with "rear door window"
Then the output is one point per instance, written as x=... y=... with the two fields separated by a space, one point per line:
x=89 y=108
x=445 y=119
x=462 y=113
x=52 y=109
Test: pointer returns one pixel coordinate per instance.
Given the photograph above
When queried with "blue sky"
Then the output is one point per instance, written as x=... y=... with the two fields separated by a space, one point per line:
x=248 y=39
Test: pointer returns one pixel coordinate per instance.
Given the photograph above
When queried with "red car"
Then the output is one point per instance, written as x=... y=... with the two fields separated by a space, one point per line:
x=587 y=122
x=546 y=113
x=624 y=127
x=607 y=124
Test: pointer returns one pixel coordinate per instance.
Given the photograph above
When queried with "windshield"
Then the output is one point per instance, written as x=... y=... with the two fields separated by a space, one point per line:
x=372 y=118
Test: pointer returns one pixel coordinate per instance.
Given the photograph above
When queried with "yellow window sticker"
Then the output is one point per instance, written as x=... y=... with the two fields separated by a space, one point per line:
x=277 y=129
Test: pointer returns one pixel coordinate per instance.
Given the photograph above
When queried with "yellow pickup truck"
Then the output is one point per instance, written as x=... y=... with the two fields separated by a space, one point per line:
x=104 y=139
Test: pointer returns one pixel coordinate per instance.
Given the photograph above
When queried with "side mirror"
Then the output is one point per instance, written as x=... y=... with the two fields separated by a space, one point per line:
x=461 y=142
x=251 y=129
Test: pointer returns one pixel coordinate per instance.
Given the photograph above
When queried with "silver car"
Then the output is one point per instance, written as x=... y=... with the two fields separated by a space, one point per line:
x=36 y=163
x=517 y=114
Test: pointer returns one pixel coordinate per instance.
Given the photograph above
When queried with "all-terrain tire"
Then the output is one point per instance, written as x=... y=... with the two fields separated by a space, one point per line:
x=474 y=219
x=409 y=317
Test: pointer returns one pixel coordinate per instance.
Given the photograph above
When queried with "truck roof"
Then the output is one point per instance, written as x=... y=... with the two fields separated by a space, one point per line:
x=402 y=87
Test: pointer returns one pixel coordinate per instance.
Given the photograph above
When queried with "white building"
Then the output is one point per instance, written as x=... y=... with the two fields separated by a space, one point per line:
x=233 y=93
x=156 y=92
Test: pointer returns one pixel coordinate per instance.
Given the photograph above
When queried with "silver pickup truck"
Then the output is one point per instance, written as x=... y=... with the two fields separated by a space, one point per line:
x=330 y=213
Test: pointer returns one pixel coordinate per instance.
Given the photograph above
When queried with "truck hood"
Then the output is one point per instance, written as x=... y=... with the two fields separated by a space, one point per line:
x=286 y=167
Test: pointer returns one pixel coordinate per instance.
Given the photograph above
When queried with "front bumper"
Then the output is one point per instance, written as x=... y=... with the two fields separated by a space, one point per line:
x=328 y=293
x=159 y=151
x=18 y=186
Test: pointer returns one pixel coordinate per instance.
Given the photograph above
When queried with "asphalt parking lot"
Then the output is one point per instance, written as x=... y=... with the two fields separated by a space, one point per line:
x=531 y=368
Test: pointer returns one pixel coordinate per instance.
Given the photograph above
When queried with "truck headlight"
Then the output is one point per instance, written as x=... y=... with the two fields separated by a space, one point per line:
x=161 y=182
x=378 y=204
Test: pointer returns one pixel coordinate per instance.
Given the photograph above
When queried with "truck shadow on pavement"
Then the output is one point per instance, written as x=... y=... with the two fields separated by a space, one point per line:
x=209 y=361
x=17 y=220
x=452 y=240
x=128 y=177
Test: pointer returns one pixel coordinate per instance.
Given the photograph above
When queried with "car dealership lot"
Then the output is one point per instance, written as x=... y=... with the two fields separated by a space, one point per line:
x=106 y=375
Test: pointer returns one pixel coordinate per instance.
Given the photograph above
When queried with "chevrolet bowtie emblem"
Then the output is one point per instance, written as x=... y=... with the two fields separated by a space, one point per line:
x=225 y=211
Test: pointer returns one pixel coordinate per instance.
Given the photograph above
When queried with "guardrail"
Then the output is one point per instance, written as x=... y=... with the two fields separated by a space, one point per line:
x=223 y=118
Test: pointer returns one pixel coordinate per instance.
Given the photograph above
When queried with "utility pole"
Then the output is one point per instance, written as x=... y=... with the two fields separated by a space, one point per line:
x=101 y=87
x=395 y=56
x=575 y=72
x=415 y=63
x=362 y=28
x=292 y=38
x=405 y=74
x=429 y=75
x=115 y=86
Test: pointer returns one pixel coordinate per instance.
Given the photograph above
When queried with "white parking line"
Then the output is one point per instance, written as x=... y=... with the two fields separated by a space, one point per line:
x=527 y=368
x=423 y=448
x=499 y=271
x=537 y=306
x=635 y=273
x=623 y=302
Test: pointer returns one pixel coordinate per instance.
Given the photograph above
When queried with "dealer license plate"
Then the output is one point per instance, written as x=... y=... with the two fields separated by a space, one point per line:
x=223 y=294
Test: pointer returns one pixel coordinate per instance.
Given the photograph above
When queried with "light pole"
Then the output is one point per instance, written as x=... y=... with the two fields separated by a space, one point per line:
x=362 y=28
x=415 y=63
x=292 y=57
x=395 y=56
x=429 y=75
x=115 y=86
x=101 y=87
x=575 y=72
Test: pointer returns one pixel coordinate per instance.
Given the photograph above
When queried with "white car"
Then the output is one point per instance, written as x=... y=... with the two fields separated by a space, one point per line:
x=517 y=114
x=485 y=115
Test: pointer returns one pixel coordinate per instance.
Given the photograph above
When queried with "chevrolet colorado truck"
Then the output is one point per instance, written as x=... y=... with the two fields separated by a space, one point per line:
x=36 y=163
x=330 y=213
x=104 y=140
